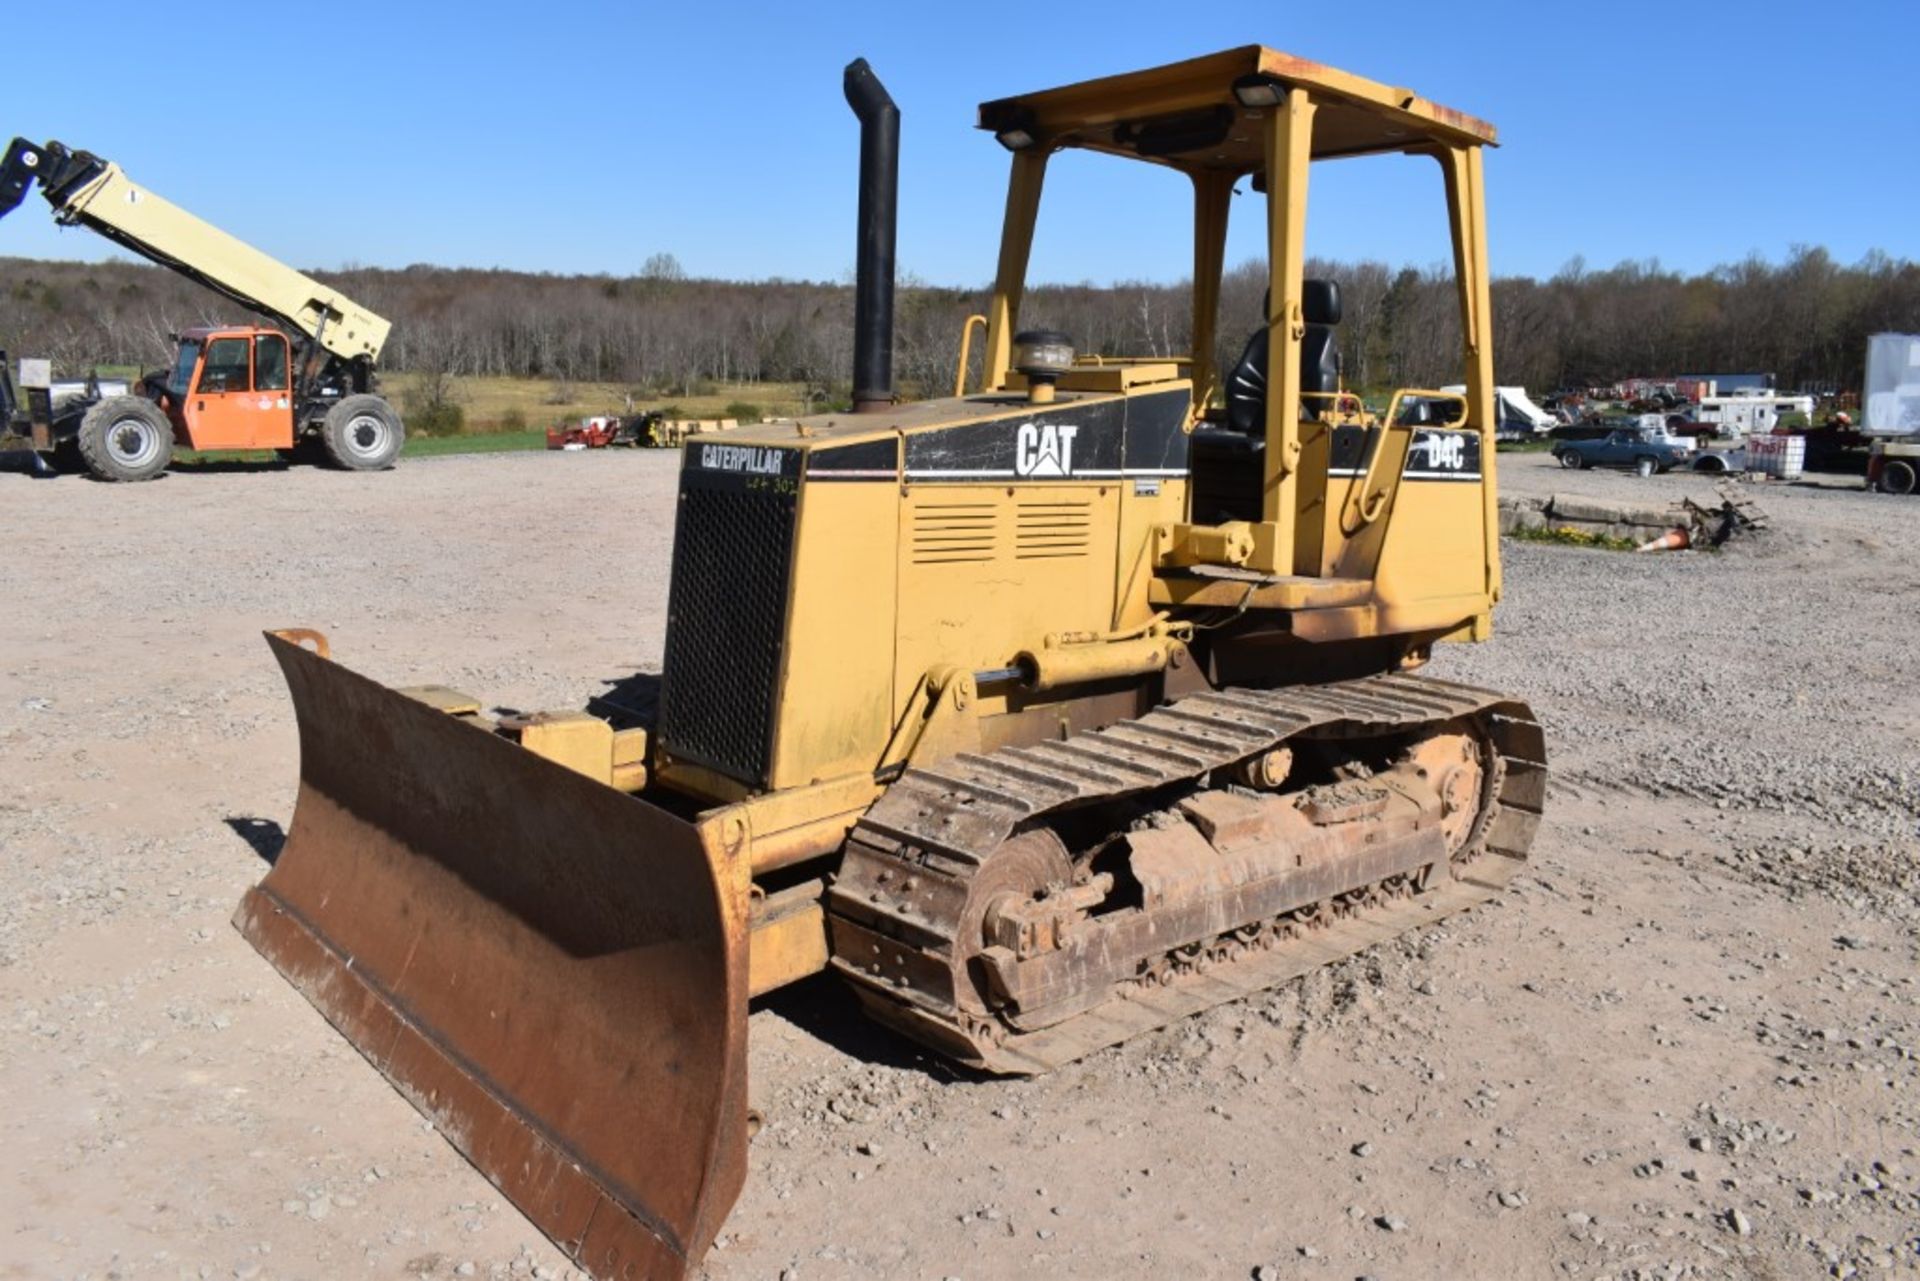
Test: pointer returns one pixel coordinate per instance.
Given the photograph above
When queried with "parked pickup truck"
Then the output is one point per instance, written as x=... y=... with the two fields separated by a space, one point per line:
x=1643 y=451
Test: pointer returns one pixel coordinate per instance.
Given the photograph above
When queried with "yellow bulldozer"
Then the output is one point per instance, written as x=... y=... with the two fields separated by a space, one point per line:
x=1042 y=716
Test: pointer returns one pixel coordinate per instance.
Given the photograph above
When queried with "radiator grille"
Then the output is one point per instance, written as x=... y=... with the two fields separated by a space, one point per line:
x=726 y=618
x=1051 y=530
x=954 y=533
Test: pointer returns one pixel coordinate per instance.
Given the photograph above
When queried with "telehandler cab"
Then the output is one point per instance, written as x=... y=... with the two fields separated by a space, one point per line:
x=1041 y=716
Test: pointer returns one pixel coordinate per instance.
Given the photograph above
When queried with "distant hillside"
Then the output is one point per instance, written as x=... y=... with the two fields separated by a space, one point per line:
x=1805 y=320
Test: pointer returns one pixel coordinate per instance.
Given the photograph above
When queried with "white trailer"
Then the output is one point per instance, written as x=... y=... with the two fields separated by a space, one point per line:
x=1755 y=413
x=1891 y=405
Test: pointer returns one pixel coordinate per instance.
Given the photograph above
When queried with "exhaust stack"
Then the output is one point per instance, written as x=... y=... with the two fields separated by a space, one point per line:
x=879 y=199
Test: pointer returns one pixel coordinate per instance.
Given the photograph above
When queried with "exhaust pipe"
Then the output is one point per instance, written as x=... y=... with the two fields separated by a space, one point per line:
x=879 y=199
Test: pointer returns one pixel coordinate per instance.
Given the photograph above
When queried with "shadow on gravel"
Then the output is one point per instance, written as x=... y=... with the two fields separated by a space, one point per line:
x=228 y=466
x=628 y=700
x=27 y=463
x=823 y=1008
x=267 y=837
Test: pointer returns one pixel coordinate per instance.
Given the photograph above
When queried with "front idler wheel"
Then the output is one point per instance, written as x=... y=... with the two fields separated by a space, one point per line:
x=1461 y=767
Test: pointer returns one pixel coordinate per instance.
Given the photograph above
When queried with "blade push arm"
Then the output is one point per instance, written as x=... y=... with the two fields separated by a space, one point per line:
x=94 y=193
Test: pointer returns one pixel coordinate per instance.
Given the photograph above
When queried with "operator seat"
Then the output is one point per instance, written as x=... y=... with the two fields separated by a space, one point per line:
x=1319 y=362
x=1225 y=461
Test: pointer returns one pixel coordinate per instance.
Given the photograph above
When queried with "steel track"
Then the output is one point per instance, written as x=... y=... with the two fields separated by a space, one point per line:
x=897 y=903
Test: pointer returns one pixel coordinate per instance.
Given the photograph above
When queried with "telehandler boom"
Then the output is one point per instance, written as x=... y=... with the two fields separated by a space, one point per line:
x=1041 y=716
x=230 y=387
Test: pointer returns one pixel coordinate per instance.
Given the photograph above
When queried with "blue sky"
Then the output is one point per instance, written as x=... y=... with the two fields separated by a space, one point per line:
x=573 y=137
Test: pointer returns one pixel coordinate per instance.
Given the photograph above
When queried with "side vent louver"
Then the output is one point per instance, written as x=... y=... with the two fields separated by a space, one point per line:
x=963 y=533
x=1046 y=530
x=954 y=533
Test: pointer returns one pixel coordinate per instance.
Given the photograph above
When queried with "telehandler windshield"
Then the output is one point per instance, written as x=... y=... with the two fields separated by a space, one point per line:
x=185 y=361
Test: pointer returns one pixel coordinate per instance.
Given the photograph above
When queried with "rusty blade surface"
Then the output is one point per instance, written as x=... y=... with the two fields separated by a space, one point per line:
x=552 y=971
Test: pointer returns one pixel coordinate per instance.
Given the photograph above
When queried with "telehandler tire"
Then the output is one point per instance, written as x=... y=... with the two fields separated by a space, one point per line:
x=363 y=433
x=125 y=438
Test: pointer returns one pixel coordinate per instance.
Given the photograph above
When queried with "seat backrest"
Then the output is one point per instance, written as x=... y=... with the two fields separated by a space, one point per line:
x=1319 y=362
x=1320 y=302
x=1319 y=353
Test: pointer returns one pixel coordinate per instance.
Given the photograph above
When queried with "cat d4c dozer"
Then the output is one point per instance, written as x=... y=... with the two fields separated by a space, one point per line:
x=1042 y=716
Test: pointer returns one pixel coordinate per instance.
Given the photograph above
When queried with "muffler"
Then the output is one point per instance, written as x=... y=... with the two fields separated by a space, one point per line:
x=873 y=268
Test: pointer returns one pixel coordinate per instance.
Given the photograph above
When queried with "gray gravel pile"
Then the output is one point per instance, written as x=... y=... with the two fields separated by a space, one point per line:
x=1882 y=878
x=1773 y=681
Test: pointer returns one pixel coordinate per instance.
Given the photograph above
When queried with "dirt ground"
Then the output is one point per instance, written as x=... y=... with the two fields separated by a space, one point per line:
x=1685 y=1045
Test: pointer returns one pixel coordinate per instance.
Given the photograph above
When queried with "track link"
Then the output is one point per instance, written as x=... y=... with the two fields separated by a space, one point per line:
x=904 y=932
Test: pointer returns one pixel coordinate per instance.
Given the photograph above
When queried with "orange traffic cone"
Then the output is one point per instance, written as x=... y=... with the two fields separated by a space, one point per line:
x=1675 y=539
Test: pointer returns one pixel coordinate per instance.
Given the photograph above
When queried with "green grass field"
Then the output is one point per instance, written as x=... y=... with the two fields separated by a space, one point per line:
x=494 y=442
x=519 y=405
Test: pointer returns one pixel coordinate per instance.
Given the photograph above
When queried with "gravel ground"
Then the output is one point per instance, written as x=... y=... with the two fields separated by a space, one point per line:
x=1684 y=1045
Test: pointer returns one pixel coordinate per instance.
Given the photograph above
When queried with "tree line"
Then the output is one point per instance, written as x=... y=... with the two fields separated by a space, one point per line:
x=1805 y=319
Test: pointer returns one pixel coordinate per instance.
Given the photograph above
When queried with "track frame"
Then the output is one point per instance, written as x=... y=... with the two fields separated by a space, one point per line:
x=904 y=936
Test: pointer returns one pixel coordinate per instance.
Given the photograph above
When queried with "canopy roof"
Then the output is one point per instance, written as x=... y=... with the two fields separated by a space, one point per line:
x=1185 y=114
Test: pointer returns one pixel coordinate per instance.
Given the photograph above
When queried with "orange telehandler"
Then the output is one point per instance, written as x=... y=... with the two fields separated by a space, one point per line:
x=229 y=386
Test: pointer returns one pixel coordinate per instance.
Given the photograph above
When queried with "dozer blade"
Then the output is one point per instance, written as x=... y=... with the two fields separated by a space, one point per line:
x=553 y=972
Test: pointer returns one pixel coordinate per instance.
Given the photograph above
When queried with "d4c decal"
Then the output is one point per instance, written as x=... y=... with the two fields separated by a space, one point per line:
x=1444 y=455
x=1435 y=452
